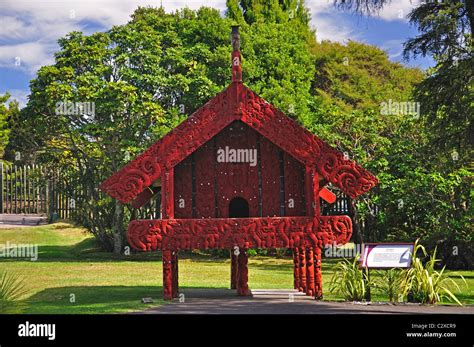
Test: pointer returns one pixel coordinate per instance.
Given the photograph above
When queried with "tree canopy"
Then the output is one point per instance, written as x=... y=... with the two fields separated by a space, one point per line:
x=109 y=95
x=7 y=113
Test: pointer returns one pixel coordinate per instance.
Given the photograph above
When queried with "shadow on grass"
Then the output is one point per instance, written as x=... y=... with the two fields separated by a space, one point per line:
x=107 y=299
x=85 y=251
x=93 y=299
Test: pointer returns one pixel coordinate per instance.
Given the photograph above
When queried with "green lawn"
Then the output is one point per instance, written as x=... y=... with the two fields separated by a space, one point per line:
x=71 y=266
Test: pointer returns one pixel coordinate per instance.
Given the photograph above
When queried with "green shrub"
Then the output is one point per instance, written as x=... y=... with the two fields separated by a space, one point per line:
x=424 y=284
x=349 y=280
x=390 y=284
x=12 y=288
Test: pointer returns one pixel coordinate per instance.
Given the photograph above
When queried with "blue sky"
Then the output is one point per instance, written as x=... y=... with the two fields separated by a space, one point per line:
x=29 y=29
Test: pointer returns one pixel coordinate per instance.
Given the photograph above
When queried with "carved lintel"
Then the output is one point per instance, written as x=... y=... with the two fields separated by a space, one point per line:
x=245 y=233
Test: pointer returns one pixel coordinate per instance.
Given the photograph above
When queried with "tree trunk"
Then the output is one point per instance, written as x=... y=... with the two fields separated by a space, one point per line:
x=117 y=227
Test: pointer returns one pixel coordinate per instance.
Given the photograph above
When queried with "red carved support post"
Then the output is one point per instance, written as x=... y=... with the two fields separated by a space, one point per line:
x=174 y=269
x=234 y=269
x=296 y=277
x=313 y=207
x=302 y=270
x=243 y=274
x=310 y=285
x=318 y=281
x=167 y=207
x=167 y=275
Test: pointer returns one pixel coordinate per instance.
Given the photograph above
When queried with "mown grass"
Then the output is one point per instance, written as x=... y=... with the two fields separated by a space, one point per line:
x=72 y=275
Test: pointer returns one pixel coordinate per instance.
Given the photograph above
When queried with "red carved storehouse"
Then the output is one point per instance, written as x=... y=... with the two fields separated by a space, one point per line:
x=216 y=194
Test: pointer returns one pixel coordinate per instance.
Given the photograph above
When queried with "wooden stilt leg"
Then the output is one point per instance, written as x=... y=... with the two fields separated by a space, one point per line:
x=167 y=275
x=313 y=271
x=175 y=274
x=302 y=270
x=318 y=279
x=167 y=211
x=295 y=268
x=243 y=274
x=234 y=267
x=309 y=272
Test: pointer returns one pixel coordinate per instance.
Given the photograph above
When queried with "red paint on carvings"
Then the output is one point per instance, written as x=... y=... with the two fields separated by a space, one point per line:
x=245 y=233
x=237 y=102
x=282 y=191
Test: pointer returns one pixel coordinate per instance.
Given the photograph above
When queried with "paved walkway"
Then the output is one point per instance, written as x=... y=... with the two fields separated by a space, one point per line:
x=221 y=301
x=21 y=220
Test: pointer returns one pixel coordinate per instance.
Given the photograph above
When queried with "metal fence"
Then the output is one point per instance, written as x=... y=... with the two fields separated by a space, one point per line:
x=340 y=207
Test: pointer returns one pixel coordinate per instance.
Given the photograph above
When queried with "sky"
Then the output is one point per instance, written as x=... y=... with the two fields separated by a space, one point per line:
x=29 y=30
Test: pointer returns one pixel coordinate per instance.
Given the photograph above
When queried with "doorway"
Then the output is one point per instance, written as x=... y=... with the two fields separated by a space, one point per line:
x=238 y=208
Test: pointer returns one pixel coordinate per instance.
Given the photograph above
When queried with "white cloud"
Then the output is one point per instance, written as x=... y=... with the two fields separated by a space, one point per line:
x=12 y=28
x=30 y=29
x=330 y=24
x=326 y=19
x=319 y=5
x=397 y=10
x=18 y=94
x=105 y=12
x=327 y=30
x=28 y=56
x=394 y=48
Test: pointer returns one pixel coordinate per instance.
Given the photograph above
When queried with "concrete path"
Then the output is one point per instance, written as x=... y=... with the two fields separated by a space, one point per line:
x=221 y=301
x=21 y=220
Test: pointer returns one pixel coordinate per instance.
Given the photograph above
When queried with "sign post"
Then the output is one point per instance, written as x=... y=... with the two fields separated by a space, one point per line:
x=384 y=256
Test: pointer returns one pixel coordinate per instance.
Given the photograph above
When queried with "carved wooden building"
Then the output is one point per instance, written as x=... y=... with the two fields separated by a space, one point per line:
x=239 y=174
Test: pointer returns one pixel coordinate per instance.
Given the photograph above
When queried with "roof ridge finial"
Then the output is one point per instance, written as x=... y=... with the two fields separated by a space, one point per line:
x=236 y=58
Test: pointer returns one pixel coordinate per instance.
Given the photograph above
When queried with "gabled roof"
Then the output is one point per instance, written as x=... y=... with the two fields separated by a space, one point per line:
x=238 y=102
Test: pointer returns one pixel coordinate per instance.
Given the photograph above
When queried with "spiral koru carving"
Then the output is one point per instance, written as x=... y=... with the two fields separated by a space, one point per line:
x=287 y=134
x=167 y=152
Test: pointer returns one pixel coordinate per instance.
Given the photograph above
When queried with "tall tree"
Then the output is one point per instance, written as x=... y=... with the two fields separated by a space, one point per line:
x=143 y=79
x=447 y=94
x=351 y=84
x=7 y=112
x=446 y=30
x=440 y=205
x=276 y=49
x=85 y=110
x=357 y=76
x=268 y=11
